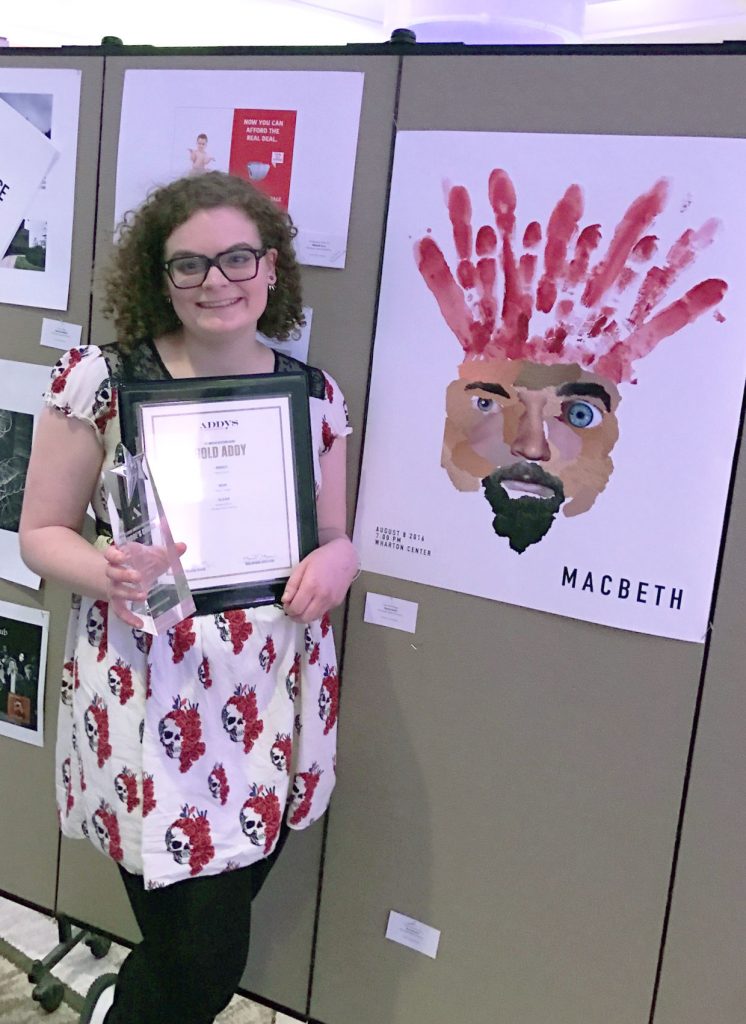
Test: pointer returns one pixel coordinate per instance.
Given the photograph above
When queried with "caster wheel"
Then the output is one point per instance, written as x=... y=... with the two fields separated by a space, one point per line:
x=37 y=972
x=48 y=993
x=98 y=945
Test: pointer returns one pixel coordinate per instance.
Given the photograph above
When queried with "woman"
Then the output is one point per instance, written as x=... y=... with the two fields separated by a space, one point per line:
x=183 y=757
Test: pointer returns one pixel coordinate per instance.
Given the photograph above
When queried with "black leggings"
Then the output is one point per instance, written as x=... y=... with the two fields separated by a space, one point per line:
x=194 y=948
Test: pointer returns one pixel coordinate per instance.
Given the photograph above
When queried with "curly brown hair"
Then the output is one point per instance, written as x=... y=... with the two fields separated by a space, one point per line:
x=134 y=296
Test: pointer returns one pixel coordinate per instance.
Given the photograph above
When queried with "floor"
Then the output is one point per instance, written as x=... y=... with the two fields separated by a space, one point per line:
x=36 y=934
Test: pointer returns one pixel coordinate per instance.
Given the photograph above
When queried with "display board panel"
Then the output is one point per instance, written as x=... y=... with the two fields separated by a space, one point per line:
x=702 y=973
x=510 y=778
x=521 y=773
x=29 y=849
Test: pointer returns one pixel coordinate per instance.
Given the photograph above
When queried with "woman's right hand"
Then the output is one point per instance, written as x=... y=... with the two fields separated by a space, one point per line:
x=131 y=574
x=123 y=585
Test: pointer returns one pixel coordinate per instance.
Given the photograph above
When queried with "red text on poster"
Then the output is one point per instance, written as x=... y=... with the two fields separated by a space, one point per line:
x=262 y=150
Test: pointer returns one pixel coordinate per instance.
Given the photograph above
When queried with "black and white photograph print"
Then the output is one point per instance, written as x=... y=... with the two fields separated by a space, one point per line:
x=28 y=248
x=35 y=250
x=16 y=431
x=21 y=388
x=23 y=657
x=36 y=107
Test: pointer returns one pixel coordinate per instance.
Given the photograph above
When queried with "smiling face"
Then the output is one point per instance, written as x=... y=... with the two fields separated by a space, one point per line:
x=219 y=308
x=537 y=438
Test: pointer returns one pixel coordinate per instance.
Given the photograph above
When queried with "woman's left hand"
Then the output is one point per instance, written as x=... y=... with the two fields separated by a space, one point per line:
x=320 y=582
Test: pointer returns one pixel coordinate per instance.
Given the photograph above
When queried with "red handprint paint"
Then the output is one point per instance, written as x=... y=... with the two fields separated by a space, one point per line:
x=495 y=296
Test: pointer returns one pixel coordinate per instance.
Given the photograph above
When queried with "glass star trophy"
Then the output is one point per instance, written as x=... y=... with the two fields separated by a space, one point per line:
x=140 y=530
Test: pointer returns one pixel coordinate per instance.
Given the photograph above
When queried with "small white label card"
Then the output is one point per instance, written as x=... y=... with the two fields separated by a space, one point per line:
x=382 y=610
x=415 y=934
x=58 y=334
x=320 y=250
x=25 y=158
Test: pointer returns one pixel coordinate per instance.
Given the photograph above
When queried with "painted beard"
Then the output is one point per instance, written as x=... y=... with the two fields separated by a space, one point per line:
x=525 y=500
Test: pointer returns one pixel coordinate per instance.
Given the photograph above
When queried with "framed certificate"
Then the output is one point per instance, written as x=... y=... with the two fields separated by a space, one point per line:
x=231 y=458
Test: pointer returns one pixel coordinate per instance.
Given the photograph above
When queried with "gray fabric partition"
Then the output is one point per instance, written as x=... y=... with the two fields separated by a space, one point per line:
x=511 y=778
x=28 y=864
x=702 y=974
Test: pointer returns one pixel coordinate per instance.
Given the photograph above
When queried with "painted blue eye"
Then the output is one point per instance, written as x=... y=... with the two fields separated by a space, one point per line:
x=483 y=404
x=582 y=414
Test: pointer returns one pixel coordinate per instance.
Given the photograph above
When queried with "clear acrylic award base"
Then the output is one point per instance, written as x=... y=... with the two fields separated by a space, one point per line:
x=141 y=533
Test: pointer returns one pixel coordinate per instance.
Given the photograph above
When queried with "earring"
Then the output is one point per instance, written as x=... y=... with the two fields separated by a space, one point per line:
x=272 y=286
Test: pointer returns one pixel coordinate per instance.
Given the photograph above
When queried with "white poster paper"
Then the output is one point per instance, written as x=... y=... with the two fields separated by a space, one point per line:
x=35 y=260
x=23 y=663
x=21 y=387
x=293 y=134
x=558 y=372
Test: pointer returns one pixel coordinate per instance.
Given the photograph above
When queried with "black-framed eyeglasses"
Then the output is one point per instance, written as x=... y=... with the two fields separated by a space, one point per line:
x=235 y=265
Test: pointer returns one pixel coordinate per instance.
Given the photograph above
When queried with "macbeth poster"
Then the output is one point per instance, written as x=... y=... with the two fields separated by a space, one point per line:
x=558 y=373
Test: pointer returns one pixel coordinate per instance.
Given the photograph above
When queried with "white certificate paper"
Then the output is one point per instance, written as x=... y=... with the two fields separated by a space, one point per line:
x=225 y=474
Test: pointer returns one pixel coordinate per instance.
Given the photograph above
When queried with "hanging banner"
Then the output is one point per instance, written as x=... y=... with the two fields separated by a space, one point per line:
x=558 y=373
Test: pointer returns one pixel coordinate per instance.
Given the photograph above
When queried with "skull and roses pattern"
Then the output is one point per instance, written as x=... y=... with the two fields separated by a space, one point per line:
x=179 y=755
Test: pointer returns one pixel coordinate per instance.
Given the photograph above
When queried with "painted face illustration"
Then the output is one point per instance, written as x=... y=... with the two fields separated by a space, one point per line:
x=535 y=438
x=550 y=321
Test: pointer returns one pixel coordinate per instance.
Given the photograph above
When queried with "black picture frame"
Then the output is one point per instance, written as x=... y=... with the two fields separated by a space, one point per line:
x=134 y=395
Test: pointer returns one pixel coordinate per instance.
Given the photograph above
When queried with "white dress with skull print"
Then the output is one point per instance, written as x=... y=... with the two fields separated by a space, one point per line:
x=179 y=754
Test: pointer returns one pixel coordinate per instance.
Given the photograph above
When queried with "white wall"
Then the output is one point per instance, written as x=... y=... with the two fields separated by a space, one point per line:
x=184 y=23
x=329 y=22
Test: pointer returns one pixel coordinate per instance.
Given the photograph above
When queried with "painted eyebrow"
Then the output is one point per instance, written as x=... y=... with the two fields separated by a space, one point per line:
x=494 y=389
x=588 y=390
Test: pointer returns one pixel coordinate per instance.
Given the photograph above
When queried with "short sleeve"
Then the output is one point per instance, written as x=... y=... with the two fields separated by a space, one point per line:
x=335 y=420
x=80 y=386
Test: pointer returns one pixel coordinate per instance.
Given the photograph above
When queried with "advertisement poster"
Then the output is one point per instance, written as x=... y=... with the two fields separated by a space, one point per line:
x=270 y=127
x=262 y=150
x=21 y=388
x=38 y=108
x=23 y=661
x=558 y=373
